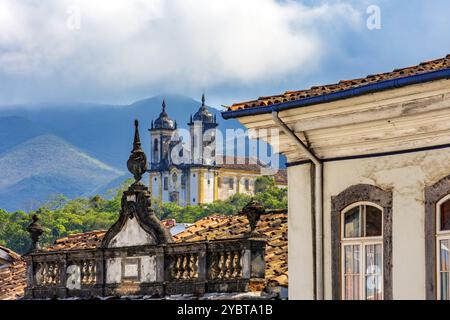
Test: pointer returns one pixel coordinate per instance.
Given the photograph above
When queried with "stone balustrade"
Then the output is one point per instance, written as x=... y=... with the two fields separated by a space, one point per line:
x=148 y=270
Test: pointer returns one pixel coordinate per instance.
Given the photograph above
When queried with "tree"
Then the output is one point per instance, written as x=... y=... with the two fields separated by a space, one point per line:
x=264 y=183
x=61 y=217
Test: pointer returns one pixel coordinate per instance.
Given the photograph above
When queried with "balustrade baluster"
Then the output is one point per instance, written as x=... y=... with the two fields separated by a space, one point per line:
x=194 y=267
x=185 y=275
x=221 y=266
x=179 y=267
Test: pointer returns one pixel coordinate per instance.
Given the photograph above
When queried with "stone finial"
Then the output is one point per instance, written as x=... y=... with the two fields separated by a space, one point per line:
x=137 y=163
x=164 y=105
x=35 y=230
x=253 y=210
x=203 y=99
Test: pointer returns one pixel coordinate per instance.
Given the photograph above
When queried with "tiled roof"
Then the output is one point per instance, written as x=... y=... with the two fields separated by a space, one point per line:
x=78 y=241
x=241 y=163
x=424 y=67
x=12 y=277
x=12 y=255
x=89 y=240
x=281 y=177
x=273 y=225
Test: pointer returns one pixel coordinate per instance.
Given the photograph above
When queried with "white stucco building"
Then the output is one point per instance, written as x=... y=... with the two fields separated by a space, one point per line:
x=369 y=183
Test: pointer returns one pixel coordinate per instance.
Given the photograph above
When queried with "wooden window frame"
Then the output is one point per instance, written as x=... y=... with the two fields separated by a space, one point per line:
x=440 y=235
x=434 y=197
x=375 y=196
x=362 y=242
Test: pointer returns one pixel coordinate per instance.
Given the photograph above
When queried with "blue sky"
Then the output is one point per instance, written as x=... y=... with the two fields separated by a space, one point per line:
x=119 y=51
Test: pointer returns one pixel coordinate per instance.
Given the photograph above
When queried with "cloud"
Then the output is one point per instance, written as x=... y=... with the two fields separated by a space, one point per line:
x=167 y=45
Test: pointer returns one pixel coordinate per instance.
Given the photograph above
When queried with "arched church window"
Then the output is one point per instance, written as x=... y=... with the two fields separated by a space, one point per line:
x=155 y=145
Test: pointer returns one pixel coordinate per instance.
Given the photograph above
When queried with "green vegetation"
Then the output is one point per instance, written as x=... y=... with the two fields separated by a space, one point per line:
x=61 y=217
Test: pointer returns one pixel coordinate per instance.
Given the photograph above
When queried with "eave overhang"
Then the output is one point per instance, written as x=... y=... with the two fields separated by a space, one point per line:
x=344 y=94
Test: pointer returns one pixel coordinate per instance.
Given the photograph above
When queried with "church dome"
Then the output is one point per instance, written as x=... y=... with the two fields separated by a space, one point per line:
x=164 y=121
x=203 y=113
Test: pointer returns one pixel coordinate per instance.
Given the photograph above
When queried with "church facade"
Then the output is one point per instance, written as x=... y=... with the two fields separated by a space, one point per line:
x=188 y=173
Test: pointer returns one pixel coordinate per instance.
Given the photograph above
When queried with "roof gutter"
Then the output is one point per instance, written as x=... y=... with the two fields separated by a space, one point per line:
x=317 y=219
x=344 y=94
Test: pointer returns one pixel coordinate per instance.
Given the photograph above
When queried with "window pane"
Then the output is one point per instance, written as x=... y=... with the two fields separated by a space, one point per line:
x=444 y=248
x=352 y=288
x=374 y=273
x=373 y=222
x=444 y=286
x=352 y=223
x=351 y=272
x=352 y=259
x=445 y=216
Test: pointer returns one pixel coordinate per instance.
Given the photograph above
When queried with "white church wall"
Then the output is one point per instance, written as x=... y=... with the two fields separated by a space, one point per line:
x=155 y=186
x=208 y=187
x=194 y=188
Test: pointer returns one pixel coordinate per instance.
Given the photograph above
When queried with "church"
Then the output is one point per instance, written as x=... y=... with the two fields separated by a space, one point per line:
x=188 y=173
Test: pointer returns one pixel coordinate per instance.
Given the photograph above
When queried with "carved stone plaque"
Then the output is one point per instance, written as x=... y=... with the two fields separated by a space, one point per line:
x=131 y=269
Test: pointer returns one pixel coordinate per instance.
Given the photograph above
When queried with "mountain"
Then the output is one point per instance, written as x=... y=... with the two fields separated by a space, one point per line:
x=44 y=165
x=15 y=130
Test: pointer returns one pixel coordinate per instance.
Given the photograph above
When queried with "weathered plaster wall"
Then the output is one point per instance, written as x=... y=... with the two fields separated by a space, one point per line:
x=132 y=234
x=406 y=175
x=148 y=268
x=301 y=282
x=114 y=270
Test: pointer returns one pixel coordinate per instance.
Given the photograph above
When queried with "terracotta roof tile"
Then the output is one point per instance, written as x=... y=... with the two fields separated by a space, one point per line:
x=240 y=163
x=424 y=67
x=88 y=240
x=273 y=225
x=12 y=277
